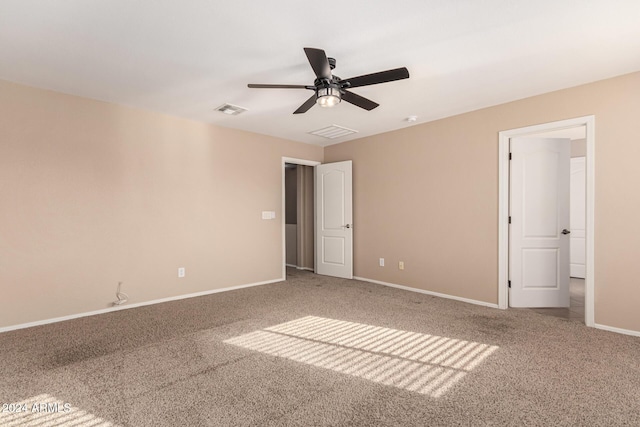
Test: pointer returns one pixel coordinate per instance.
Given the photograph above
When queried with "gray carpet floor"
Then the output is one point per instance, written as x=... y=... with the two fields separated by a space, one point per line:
x=316 y=351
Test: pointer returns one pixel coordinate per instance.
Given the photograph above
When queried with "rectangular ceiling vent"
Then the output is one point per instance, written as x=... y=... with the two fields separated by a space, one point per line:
x=333 y=132
x=230 y=109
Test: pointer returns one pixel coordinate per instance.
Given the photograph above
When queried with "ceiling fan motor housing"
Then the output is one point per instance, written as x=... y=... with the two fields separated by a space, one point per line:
x=331 y=82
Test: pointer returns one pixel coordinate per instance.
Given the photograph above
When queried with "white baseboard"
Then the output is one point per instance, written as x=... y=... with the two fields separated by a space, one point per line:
x=422 y=291
x=232 y=288
x=618 y=330
x=127 y=306
x=299 y=268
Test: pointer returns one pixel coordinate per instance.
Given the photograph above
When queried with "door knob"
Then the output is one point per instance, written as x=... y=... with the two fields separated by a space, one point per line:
x=565 y=231
x=348 y=226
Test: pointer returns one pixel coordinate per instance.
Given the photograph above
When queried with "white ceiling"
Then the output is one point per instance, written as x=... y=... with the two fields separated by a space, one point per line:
x=187 y=57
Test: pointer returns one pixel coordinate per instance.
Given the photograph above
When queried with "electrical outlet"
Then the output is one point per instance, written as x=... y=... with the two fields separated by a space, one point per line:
x=381 y=262
x=401 y=265
x=181 y=272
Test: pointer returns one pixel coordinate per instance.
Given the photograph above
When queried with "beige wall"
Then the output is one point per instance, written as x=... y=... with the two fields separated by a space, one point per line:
x=291 y=243
x=93 y=193
x=428 y=195
x=305 y=214
x=578 y=148
x=291 y=192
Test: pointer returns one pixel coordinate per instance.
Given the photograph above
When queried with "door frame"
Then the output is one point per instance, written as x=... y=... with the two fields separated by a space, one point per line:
x=503 y=207
x=294 y=161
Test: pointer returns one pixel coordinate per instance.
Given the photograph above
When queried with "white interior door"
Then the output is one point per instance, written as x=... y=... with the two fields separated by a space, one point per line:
x=578 y=218
x=334 y=217
x=539 y=213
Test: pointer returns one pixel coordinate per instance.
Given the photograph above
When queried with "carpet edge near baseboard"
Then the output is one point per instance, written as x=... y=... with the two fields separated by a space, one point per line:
x=423 y=291
x=483 y=303
x=617 y=330
x=128 y=306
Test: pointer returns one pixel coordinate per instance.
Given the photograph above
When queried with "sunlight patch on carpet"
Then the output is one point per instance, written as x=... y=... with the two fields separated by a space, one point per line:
x=422 y=363
x=45 y=410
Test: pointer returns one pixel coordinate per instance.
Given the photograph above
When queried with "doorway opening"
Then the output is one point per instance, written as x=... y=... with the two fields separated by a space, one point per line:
x=581 y=130
x=577 y=223
x=298 y=215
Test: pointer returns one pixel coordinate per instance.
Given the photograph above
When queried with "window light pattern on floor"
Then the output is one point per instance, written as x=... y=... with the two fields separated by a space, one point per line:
x=421 y=363
x=47 y=411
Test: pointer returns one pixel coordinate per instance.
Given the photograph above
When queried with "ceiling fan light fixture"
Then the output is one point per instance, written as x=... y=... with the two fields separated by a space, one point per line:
x=328 y=96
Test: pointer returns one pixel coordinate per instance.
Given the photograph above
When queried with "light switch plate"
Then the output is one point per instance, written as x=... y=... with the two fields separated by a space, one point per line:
x=268 y=214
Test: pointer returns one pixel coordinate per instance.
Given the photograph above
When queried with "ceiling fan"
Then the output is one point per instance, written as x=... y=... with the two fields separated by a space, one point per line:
x=330 y=90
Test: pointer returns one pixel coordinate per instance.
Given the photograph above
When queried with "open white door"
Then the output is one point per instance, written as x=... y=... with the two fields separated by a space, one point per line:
x=334 y=216
x=539 y=230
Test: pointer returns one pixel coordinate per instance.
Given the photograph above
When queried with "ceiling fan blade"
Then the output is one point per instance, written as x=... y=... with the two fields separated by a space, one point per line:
x=305 y=107
x=319 y=62
x=260 y=86
x=359 y=101
x=381 y=77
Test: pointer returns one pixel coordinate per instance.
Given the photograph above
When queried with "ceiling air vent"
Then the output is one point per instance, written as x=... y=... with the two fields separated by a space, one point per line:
x=230 y=109
x=333 y=132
